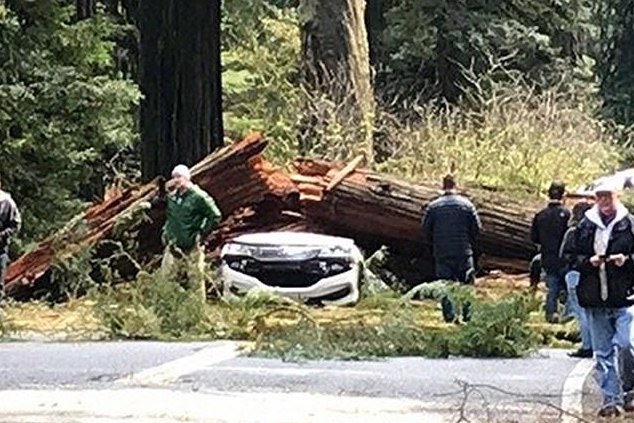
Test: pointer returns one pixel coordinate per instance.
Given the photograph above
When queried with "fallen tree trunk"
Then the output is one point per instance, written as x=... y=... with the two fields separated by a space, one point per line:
x=236 y=175
x=374 y=206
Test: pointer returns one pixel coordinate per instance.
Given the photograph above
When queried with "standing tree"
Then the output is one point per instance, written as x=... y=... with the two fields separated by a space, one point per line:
x=181 y=113
x=84 y=9
x=336 y=60
x=616 y=18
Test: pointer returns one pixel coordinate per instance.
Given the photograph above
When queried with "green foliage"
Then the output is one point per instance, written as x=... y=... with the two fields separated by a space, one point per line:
x=260 y=61
x=62 y=110
x=499 y=328
x=427 y=44
x=616 y=53
x=520 y=140
x=71 y=276
x=152 y=307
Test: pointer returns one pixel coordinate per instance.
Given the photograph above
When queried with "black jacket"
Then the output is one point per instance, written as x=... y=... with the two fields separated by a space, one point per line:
x=620 y=280
x=10 y=220
x=548 y=229
x=452 y=226
x=567 y=250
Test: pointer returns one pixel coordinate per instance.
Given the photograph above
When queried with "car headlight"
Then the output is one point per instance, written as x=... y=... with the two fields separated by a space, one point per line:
x=233 y=249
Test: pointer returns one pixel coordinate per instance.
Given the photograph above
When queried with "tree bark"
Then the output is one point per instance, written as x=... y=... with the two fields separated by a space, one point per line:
x=369 y=205
x=375 y=24
x=336 y=60
x=236 y=176
x=181 y=114
x=84 y=9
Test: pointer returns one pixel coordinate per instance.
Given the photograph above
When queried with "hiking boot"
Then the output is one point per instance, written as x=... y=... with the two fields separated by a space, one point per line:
x=610 y=411
x=581 y=353
x=628 y=407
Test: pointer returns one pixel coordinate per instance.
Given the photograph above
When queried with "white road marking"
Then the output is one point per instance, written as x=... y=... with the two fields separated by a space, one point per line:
x=572 y=392
x=172 y=370
x=161 y=405
x=291 y=371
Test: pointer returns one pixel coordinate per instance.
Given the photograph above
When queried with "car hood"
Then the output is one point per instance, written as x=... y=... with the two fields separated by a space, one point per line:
x=293 y=239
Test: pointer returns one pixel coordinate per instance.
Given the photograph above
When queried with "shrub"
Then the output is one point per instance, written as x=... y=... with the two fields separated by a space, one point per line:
x=499 y=328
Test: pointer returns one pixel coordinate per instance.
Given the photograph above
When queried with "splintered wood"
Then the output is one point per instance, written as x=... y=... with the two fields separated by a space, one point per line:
x=254 y=195
x=235 y=176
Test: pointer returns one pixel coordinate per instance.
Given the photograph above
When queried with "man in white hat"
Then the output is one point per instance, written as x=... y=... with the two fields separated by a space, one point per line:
x=603 y=247
x=191 y=214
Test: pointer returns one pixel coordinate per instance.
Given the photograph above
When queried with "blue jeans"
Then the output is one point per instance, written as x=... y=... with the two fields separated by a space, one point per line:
x=554 y=285
x=459 y=269
x=612 y=342
x=572 y=280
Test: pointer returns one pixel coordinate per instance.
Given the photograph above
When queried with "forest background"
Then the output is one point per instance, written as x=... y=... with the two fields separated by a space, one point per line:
x=508 y=94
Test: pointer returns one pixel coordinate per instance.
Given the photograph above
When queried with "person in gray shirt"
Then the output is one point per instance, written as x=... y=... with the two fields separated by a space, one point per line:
x=10 y=221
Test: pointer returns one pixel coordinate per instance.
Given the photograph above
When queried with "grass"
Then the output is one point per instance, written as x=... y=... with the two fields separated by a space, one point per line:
x=380 y=325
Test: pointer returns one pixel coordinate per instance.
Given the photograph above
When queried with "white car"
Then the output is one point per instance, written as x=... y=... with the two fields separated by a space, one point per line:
x=313 y=268
x=623 y=179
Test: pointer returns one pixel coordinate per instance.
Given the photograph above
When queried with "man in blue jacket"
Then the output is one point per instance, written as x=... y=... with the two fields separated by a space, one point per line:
x=451 y=225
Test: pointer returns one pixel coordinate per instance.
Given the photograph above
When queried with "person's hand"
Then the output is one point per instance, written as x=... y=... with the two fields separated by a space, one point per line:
x=618 y=259
x=596 y=260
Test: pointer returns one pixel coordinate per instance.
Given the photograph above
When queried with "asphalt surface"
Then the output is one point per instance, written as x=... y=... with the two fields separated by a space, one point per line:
x=156 y=382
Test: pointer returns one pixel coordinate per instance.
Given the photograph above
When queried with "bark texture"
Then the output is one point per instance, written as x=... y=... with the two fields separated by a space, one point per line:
x=181 y=114
x=367 y=204
x=336 y=60
x=236 y=175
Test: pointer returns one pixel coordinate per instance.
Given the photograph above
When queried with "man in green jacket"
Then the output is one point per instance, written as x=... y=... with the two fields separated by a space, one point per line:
x=191 y=214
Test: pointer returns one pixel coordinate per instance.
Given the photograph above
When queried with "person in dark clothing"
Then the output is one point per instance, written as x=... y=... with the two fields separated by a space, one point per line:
x=572 y=281
x=451 y=225
x=604 y=252
x=547 y=230
x=10 y=221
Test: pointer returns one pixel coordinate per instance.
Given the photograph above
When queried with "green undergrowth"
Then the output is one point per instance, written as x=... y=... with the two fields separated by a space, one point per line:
x=498 y=329
x=381 y=325
x=506 y=322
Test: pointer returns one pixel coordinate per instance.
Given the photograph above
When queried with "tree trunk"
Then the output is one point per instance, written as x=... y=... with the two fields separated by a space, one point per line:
x=369 y=205
x=84 y=9
x=181 y=116
x=336 y=59
x=236 y=176
x=375 y=24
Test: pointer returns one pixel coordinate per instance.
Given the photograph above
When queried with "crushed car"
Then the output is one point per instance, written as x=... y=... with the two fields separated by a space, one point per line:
x=313 y=268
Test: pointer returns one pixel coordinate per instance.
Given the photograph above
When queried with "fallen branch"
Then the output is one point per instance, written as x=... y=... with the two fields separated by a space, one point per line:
x=235 y=175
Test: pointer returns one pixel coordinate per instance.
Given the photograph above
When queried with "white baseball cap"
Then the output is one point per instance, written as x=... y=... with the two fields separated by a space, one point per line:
x=608 y=185
x=181 y=170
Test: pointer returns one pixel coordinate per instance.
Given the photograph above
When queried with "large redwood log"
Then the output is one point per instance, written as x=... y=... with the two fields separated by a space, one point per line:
x=235 y=176
x=371 y=205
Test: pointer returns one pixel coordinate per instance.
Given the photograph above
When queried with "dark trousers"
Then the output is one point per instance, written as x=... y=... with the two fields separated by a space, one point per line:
x=459 y=269
x=4 y=263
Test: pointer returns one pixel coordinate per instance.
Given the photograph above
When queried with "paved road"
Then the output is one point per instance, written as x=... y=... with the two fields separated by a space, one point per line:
x=210 y=382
